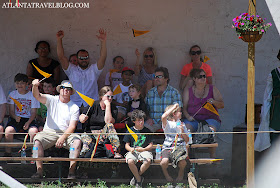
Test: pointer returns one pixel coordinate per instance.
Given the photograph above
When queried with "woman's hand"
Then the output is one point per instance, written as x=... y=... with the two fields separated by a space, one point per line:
x=107 y=102
x=83 y=118
x=211 y=100
x=137 y=53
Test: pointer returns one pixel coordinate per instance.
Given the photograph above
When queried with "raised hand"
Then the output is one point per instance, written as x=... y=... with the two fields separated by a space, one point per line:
x=36 y=82
x=137 y=53
x=60 y=34
x=102 y=35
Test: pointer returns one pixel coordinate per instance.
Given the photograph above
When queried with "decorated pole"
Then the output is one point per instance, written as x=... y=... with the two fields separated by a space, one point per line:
x=250 y=104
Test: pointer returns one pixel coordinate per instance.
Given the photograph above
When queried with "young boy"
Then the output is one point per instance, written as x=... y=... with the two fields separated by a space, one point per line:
x=140 y=150
x=114 y=76
x=121 y=99
x=170 y=122
x=48 y=88
x=21 y=121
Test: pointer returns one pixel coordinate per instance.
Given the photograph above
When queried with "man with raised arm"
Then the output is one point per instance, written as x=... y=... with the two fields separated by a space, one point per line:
x=84 y=76
x=61 y=121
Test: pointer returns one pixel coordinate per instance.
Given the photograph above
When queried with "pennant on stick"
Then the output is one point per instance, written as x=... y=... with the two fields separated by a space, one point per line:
x=17 y=103
x=137 y=33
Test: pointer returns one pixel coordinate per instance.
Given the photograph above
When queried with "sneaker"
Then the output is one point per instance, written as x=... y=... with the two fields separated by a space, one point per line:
x=71 y=176
x=37 y=175
x=139 y=184
x=118 y=156
x=132 y=181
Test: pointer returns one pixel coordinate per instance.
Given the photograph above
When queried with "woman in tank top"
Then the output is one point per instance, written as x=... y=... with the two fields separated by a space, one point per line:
x=145 y=71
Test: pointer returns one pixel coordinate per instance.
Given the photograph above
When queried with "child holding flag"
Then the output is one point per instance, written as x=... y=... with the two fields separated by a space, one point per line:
x=174 y=145
x=22 y=109
x=114 y=76
x=139 y=147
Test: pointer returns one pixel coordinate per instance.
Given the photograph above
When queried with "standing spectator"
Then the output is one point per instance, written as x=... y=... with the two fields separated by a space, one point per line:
x=196 y=63
x=21 y=120
x=145 y=71
x=73 y=59
x=43 y=62
x=62 y=118
x=84 y=76
x=159 y=97
x=114 y=76
x=3 y=102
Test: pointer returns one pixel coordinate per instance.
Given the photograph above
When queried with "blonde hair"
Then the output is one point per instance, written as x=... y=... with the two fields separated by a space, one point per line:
x=151 y=49
x=170 y=116
x=103 y=91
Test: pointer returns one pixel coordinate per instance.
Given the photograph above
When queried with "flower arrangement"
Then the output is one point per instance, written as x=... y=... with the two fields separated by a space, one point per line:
x=245 y=22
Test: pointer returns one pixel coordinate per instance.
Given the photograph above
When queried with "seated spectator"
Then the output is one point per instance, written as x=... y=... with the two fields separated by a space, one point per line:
x=3 y=102
x=171 y=152
x=145 y=71
x=100 y=119
x=43 y=62
x=61 y=121
x=73 y=59
x=159 y=97
x=48 y=88
x=137 y=102
x=196 y=63
x=114 y=76
x=21 y=120
x=121 y=99
x=140 y=150
x=193 y=99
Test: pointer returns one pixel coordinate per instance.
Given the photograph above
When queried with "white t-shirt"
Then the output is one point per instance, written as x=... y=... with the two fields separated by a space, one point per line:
x=27 y=101
x=116 y=79
x=84 y=81
x=171 y=127
x=2 y=96
x=123 y=96
x=60 y=114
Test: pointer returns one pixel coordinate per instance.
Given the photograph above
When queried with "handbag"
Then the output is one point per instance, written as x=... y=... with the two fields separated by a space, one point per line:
x=204 y=138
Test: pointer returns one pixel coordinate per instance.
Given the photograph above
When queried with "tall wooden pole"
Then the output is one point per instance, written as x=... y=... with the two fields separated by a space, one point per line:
x=251 y=105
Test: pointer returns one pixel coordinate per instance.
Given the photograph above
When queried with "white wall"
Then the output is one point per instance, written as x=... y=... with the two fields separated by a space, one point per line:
x=175 y=26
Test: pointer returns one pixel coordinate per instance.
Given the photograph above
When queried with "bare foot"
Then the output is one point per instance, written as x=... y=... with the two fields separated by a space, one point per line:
x=169 y=179
x=179 y=179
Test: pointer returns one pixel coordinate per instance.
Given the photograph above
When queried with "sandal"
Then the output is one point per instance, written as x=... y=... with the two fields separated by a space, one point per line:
x=118 y=156
x=37 y=175
x=71 y=176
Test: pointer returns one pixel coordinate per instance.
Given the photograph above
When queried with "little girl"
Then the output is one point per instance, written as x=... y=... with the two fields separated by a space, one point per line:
x=114 y=76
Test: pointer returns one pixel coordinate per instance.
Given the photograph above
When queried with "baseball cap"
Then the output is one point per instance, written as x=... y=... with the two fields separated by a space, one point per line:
x=128 y=69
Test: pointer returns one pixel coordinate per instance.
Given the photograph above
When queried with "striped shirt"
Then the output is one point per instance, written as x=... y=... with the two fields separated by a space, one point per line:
x=156 y=104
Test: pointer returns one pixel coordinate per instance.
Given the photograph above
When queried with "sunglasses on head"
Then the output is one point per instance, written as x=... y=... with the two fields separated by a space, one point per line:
x=68 y=88
x=201 y=76
x=146 y=56
x=83 y=58
x=109 y=96
x=159 y=76
x=195 y=52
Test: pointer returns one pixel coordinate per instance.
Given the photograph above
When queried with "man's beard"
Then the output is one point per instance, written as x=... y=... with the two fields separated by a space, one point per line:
x=83 y=64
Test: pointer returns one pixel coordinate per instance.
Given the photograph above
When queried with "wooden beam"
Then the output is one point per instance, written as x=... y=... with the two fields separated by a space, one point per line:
x=251 y=104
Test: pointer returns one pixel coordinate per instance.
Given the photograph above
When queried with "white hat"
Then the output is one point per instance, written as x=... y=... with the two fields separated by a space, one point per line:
x=66 y=83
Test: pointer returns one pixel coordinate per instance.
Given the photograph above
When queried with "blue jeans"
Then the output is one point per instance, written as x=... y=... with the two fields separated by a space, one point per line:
x=211 y=122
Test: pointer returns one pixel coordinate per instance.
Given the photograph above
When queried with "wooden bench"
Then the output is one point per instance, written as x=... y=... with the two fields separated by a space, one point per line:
x=15 y=144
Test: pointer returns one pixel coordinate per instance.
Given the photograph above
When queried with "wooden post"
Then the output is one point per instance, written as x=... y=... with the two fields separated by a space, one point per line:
x=251 y=104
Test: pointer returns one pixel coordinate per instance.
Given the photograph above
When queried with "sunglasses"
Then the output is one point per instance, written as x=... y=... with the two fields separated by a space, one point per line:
x=201 y=76
x=68 y=88
x=83 y=58
x=159 y=76
x=109 y=96
x=146 y=56
x=195 y=52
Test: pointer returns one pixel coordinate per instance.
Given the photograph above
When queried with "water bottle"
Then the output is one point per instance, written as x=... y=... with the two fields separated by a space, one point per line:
x=72 y=152
x=35 y=152
x=190 y=137
x=158 y=152
x=178 y=130
x=23 y=154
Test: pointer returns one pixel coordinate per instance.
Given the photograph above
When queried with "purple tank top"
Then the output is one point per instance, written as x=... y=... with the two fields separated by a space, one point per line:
x=195 y=103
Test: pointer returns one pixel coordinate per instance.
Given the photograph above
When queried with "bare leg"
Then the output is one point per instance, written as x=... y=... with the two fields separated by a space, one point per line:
x=164 y=165
x=9 y=137
x=181 y=164
x=212 y=151
x=39 y=164
x=1 y=131
x=32 y=132
x=146 y=164
x=134 y=170
x=77 y=145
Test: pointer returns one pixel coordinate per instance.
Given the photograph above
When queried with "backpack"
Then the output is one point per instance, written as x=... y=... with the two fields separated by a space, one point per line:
x=203 y=138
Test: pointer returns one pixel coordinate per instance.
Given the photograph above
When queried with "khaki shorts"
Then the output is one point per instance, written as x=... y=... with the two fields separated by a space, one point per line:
x=174 y=157
x=138 y=156
x=49 y=137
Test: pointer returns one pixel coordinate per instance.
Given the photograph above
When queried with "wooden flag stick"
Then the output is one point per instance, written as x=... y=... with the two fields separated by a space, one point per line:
x=88 y=110
x=42 y=79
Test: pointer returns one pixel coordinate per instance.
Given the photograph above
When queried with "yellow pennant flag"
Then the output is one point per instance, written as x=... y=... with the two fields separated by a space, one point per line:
x=175 y=142
x=137 y=33
x=46 y=75
x=17 y=103
x=215 y=160
x=132 y=133
x=95 y=147
x=117 y=90
x=206 y=59
x=210 y=107
x=113 y=70
x=87 y=99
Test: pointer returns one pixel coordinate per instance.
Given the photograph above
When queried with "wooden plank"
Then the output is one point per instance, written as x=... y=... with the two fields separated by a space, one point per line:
x=15 y=144
x=9 y=181
x=214 y=145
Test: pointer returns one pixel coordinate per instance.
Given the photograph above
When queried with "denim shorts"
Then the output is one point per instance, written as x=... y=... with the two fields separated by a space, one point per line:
x=211 y=122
